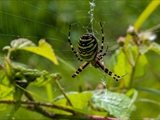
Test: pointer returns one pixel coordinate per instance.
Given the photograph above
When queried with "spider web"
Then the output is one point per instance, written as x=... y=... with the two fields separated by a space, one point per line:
x=50 y=20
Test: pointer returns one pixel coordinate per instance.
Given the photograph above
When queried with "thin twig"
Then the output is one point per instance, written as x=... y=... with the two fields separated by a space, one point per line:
x=60 y=116
x=62 y=90
x=51 y=105
x=9 y=53
x=47 y=114
x=130 y=62
x=37 y=108
x=133 y=68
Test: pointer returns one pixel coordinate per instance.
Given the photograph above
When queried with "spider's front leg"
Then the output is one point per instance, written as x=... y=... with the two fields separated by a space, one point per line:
x=70 y=43
x=80 y=69
x=102 y=44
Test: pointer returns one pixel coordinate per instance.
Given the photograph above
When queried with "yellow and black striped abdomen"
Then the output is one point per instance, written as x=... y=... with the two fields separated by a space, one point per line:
x=87 y=47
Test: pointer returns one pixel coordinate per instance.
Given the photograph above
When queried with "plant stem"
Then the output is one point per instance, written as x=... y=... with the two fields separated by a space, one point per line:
x=60 y=116
x=49 y=91
x=129 y=61
x=9 y=53
x=146 y=13
x=133 y=69
x=37 y=108
x=51 y=105
x=49 y=114
x=62 y=90
x=148 y=100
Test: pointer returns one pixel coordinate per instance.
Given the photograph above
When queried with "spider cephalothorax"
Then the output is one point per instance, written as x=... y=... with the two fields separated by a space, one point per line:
x=88 y=51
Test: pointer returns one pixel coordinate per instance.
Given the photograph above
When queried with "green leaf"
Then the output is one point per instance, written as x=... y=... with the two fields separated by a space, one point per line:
x=6 y=90
x=118 y=105
x=122 y=67
x=10 y=72
x=140 y=66
x=78 y=100
x=150 y=90
x=44 y=49
x=134 y=93
x=148 y=101
x=155 y=47
x=143 y=49
x=34 y=76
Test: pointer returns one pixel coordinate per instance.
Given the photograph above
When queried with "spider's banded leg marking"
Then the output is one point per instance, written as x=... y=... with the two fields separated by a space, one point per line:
x=106 y=70
x=69 y=40
x=102 y=44
x=102 y=55
x=80 y=69
x=105 y=52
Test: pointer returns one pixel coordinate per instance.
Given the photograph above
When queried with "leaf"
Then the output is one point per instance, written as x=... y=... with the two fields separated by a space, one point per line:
x=149 y=101
x=118 y=105
x=21 y=77
x=122 y=67
x=6 y=48
x=6 y=90
x=21 y=42
x=34 y=76
x=143 y=49
x=126 y=59
x=78 y=100
x=150 y=90
x=44 y=49
x=155 y=47
x=134 y=93
x=140 y=66
x=10 y=72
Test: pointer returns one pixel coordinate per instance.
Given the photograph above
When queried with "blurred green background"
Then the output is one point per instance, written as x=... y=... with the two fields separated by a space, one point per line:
x=50 y=19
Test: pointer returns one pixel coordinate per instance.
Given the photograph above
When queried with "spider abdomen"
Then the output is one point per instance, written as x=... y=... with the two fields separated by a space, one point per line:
x=87 y=47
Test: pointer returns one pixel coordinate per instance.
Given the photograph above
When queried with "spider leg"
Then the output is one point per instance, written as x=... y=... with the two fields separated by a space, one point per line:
x=106 y=70
x=102 y=55
x=102 y=38
x=69 y=40
x=105 y=52
x=80 y=69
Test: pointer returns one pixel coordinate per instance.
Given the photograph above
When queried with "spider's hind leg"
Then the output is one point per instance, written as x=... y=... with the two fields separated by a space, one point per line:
x=106 y=70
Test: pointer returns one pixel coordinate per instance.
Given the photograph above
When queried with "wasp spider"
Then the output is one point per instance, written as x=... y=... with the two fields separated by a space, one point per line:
x=88 y=51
